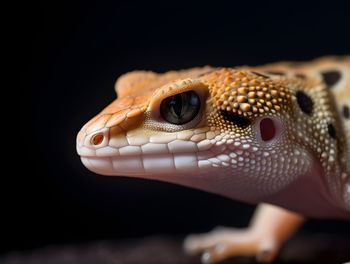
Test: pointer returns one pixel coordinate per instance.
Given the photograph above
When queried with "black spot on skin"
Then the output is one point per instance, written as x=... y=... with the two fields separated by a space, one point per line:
x=331 y=77
x=331 y=131
x=260 y=74
x=346 y=112
x=305 y=102
x=300 y=75
x=276 y=73
x=236 y=119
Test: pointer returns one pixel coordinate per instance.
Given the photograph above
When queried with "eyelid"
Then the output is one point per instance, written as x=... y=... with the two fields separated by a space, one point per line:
x=174 y=88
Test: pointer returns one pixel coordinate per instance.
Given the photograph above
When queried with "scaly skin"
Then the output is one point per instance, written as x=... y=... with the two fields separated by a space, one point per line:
x=276 y=134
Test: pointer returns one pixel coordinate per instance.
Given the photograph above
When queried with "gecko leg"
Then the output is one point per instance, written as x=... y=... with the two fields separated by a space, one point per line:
x=270 y=227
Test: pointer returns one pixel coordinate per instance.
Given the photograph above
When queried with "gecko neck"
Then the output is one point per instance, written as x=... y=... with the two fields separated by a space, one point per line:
x=310 y=196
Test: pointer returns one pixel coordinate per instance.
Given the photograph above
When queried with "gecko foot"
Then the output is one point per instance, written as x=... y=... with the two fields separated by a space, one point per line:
x=222 y=243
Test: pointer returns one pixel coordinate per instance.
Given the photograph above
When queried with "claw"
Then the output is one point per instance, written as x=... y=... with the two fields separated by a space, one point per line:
x=206 y=258
x=267 y=251
x=222 y=243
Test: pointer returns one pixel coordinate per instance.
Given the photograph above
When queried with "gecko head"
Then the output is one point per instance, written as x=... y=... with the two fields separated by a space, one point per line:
x=227 y=131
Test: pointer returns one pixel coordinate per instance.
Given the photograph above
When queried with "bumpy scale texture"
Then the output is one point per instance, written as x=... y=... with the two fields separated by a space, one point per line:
x=223 y=149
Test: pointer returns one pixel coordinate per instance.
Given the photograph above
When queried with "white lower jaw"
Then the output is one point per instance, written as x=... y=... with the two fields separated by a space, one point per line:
x=182 y=169
x=142 y=165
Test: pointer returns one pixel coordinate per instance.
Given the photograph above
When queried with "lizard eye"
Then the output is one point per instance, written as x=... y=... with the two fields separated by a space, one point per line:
x=180 y=108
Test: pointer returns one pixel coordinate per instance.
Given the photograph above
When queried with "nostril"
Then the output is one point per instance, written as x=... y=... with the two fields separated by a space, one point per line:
x=97 y=139
x=267 y=129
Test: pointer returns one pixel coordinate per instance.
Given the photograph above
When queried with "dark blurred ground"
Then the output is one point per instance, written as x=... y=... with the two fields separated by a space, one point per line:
x=302 y=249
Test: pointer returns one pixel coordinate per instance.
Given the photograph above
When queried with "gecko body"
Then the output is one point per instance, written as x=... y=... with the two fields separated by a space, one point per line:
x=277 y=135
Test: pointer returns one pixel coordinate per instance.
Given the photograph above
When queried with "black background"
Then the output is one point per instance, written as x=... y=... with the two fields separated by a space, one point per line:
x=77 y=52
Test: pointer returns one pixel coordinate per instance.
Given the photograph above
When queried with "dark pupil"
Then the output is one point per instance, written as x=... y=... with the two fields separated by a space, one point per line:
x=176 y=104
x=180 y=108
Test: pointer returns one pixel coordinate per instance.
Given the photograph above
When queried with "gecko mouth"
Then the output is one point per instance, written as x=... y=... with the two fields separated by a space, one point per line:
x=185 y=158
x=139 y=165
x=126 y=166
